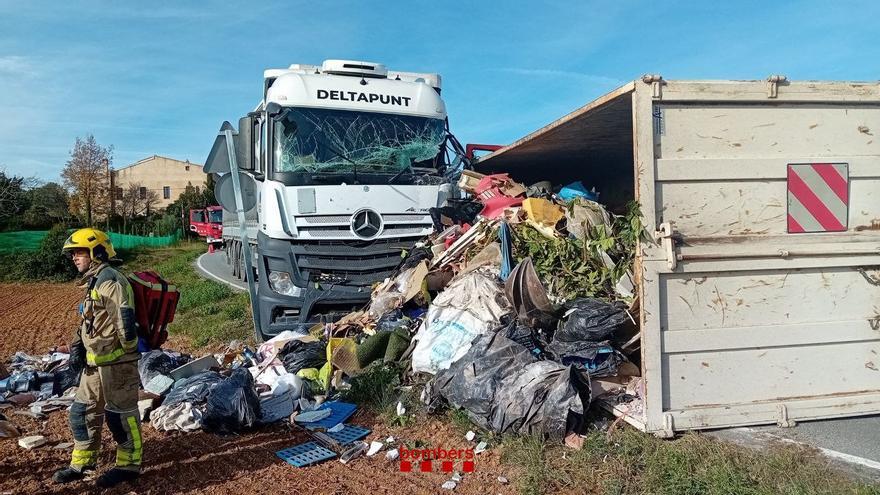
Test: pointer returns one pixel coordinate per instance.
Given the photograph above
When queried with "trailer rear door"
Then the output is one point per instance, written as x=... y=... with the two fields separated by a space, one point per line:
x=760 y=299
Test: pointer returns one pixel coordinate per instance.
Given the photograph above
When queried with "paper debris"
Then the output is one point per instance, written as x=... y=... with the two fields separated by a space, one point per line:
x=375 y=447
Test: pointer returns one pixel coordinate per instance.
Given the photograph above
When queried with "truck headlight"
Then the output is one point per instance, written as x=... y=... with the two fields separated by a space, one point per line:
x=280 y=282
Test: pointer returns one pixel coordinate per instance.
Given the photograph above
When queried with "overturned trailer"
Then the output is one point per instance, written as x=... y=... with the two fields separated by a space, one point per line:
x=760 y=290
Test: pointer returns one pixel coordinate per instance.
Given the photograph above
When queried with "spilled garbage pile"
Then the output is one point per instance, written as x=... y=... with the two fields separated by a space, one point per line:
x=519 y=310
x=536 y=319
x=34 y=386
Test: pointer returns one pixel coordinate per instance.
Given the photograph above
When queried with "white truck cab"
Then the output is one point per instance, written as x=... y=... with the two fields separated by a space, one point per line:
x=348 y=159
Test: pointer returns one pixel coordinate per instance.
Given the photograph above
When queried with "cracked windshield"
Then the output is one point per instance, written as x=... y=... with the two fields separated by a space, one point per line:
x=320 y=141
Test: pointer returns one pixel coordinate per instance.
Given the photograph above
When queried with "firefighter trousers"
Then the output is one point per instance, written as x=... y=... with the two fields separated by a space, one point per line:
x=109 y=391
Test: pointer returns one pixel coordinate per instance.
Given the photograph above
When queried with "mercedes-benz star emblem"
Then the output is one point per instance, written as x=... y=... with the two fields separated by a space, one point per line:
x=366 y=224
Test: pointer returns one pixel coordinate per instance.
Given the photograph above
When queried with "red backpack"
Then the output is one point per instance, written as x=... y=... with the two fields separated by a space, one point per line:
x=155 y=301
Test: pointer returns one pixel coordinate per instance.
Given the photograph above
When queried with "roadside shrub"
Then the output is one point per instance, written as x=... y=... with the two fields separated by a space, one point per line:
x=55 y=264
x=46 y=263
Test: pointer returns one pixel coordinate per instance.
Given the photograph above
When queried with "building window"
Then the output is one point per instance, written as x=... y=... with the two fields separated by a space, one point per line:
x=166 y=192
x=119 y=193
x=187 y=168
x=142 y=192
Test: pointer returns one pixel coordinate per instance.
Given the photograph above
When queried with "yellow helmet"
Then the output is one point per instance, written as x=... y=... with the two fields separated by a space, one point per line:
x=97 y=242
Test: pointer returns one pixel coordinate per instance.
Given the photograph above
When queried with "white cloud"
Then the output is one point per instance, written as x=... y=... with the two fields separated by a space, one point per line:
x=564 y=74
x=16 y=66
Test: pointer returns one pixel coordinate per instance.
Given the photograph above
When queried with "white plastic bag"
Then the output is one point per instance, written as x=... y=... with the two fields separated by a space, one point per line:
x=470 y=306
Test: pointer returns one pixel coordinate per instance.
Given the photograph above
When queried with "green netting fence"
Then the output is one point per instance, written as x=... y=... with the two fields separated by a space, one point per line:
x=29 y=240
x=22 y=240
x=126 y=241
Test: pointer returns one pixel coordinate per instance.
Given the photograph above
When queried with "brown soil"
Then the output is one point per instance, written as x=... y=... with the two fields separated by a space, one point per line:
x=35 y=317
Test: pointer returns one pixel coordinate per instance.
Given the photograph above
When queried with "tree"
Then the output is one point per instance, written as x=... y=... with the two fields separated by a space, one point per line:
x=86 y=176
x=13 y=196
x=149 y=200
x=136 y=201
x=191 y=197
x=48 y=206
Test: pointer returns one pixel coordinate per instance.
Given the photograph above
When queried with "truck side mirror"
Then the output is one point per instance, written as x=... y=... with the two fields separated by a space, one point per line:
x=244 y=143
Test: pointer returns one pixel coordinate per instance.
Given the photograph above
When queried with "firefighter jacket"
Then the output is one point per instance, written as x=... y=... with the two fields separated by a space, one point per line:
x=108 y=330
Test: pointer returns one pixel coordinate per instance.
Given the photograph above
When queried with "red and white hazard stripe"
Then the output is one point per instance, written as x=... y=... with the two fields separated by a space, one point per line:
x=818 y=197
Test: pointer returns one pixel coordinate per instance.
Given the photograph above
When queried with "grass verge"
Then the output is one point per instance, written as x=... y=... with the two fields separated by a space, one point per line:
x=631 y=462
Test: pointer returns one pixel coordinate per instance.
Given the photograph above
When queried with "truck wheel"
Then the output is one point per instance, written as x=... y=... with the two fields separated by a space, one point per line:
x=236 y=266
x=241 y=265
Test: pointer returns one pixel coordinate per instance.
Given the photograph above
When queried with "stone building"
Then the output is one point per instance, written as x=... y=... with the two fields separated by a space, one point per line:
x=167 y=177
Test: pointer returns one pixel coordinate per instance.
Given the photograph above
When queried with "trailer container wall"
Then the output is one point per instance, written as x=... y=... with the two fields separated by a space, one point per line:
x=760 y=300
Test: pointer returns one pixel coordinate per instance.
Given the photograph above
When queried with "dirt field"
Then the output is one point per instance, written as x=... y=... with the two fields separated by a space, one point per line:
x=36 y=317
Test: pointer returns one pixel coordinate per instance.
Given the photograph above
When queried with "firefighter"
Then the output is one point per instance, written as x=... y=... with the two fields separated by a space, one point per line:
x=105 y=346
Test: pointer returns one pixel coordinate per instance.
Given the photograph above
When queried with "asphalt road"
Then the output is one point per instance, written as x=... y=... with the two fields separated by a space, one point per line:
x=213 y=266
x=851 y=443
x=854 y=442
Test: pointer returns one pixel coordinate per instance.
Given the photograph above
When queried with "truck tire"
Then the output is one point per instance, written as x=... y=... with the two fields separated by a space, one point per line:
x=236 y=261
x=242 y=267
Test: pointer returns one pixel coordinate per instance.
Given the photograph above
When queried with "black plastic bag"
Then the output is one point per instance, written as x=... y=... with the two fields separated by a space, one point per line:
x=233 y=404
x=503 y=387
x=591 y=320
x=65 y=377
x=459 y=211
x=297 y=355
x=542 y=399
x=416 y=256
x=523 y=335
x=159 y=362
x=194 y=389
x=597 y=359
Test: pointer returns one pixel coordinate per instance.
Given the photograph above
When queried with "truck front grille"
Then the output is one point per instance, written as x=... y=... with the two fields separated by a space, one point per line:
x=404 y=225
x=349 y=262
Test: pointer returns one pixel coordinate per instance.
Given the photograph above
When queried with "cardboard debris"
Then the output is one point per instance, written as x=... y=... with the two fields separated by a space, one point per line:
x=543 y=215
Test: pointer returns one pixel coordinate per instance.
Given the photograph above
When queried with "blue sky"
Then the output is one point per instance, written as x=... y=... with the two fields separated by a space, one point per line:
x=159 y=77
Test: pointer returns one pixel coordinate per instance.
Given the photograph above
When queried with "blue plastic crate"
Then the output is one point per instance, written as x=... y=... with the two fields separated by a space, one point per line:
x=349 y=434
x=305 y=454
x=341 y=412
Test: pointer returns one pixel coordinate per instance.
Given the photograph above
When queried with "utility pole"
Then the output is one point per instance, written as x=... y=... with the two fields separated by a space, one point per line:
x=110 y=194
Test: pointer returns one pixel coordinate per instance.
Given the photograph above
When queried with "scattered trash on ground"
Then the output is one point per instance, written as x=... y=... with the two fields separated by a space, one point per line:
x=32 y=442
x=516 y=310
